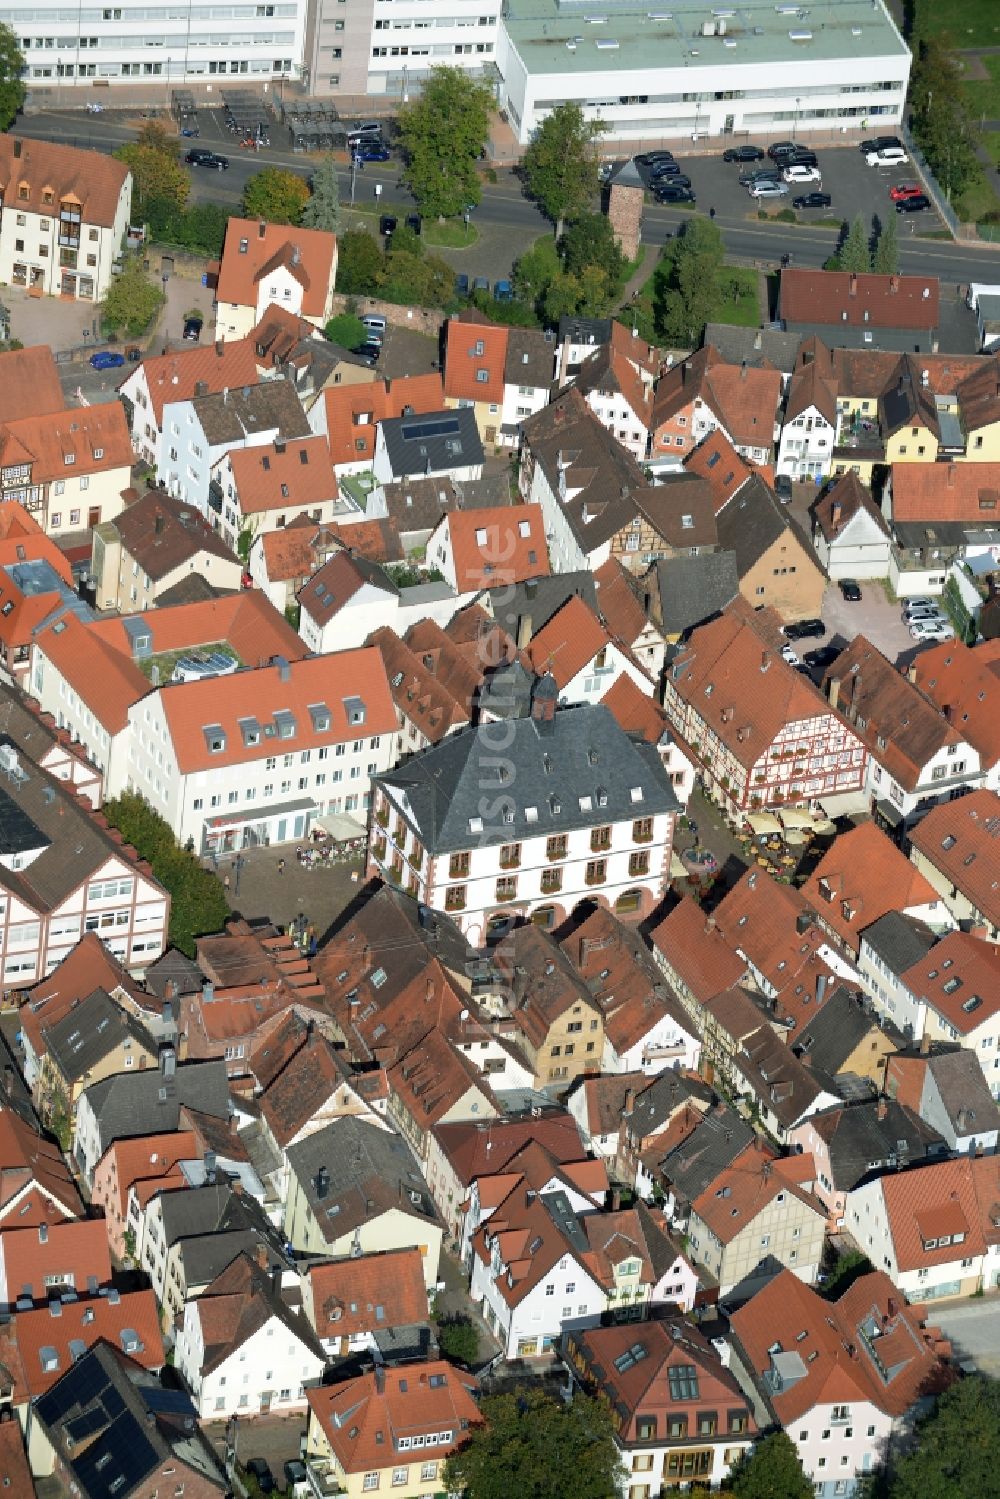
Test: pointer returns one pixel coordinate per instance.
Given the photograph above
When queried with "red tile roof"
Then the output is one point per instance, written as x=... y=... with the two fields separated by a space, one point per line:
x=943 y=1198
x=743 y=398
x=147 y=1158
x=741 y=1192
x=15 y=1471
x=178 y=375
x=824 y=297
x=474 y=358
x=329 y=680
x=352 y=412
x=29 y=382
x=717 y=461
x=90 y=440
x=760 y=918
x=88 y=1321
x=931 y=492
x=861 y=876
x=415 y=1400
x=90 y=179
x=308 y=255
x=697 y=951
x=619 y=601
x=77 y=1247
x=284 y=475
x=960 y=978
x=636 y=711
x=369 y=1293
x=495 y=545
x=474 y=1148
x=568 y=642
x=964 y=683
x=962 y=840
x=25 y=1157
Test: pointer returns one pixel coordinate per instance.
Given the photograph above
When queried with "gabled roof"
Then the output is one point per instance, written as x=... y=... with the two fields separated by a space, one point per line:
x=352 y=1171
x=230 y=418
x=27 y=1158
x=693 y=589
x=810 y=389
x=77 y=1245
x=860 y=878
x=770 y=923
x=735 y=1197
x=743 y=398
x=253 y=248
x=866 y=1137
x=696 y=950
x=92 y=440
x=437 y=441
x=200 y=369
x=960 y=979
x=148 y=1159
x=967 y=492
x=568 y=643
x=964 y=683
x=496 y=543
x=333 y=586
x=900 y=726
x=752 y=523
x=717 y=461
x=29 y=381
x=941 y=1212
x=162 y=533
x=368 y=1292
x=953 y=1073
x=237 y=1304
x=49 y=1345
x=308 y=1082
x=94 y=1027
x=474 y=358
x=661 y=1099
x=472 y=1148
x=92 y=181
x=409 y=1401
x=352 y=412
x=839 y=297
x=837 y=506
x=717 y=1139
x=962 y=840
x=283 y=475
x=636 y=711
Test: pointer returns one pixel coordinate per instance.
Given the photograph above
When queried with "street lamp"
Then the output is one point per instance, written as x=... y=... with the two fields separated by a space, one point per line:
x=405 y=95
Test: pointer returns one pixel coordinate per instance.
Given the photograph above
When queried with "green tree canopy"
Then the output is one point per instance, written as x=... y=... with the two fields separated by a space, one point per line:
x=419 y=280
x=560 y=166
x=11 y=78
x=590 y=241
x=197 y=900
x=157 y=176
x=458 y=1339
x=276 y=195
x=854 y=254
x=886 y=258
x=687 y=281
x=132 y=300
x=323 y=208
x=771 y=1470
x=958 y=1447
x=359 y=262
x=443 y=134
x=939 y=116
x=534 y=271
x=535 y=1447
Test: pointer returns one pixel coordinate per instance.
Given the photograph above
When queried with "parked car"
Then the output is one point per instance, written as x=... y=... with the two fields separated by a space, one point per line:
x=106 y=359
x=850 y=590
x=295 y=1473
x=650 y=158
x=671 y=192
x=801 y=158
x=812 y=200
x=822 y=657
x=260 y=1469
x=804 y=629
x=767 y=189
x=481 y=283
x=880 y=143
x=743 y=153
x=503 y=291
x=905 y=190
x=133 y=353
x=787 y=654
x=461 y=285
x=192 y=328
x=211 y=159
x=914 y=205
x=919 y=601
x=799 y=173
x=781 y=149
x=783 y=488
x=931 y=629
x=387 y=223
x=929 y=611
x=664 y=169
x=888 y=156
x=371 y=151
x=368 y=354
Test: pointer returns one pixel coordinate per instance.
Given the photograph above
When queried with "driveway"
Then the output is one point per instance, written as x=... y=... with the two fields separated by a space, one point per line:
x=875 y=617
x=974 y=1329
x=57 y=321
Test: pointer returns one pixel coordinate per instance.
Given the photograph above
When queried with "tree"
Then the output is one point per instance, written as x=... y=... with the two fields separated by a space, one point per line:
x=132 y=299
x=458 y=1340
x=939 y=116
x=854 y=254
x=538 y=1448
x=590 y=241
x=687 y=282
x=771 y=1470
x=359 y=262
x=958 y=1447
x=346 y=329
x=424 y=281
x=535 y=270
x=197 y=900
x=323 y=208
x=157 y=176
x=275 y=195
x=886 y=258
x=560 y=165
x=11 y=82
x=444 y=133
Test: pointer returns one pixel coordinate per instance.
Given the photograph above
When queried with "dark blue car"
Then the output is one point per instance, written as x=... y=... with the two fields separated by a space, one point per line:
x=106 y=360
x=373 y=152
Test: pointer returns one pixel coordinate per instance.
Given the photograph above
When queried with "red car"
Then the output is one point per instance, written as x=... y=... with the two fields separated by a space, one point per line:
x=909 y=190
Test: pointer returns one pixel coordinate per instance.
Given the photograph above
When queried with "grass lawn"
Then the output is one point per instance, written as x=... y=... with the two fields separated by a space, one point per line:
x=451 y=235
x=983 y=96
x=739 y=304
x=968 y=23
x=977 y=200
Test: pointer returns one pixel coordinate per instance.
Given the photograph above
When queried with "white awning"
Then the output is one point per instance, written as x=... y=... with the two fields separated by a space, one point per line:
x=795 y=817
x=763 y=822
x=341 y=827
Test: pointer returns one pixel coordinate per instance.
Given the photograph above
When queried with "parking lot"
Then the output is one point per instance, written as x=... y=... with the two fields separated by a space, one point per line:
x=874 y=616
x=853 y=186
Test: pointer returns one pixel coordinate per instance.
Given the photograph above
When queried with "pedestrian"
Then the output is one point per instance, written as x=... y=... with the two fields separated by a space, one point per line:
x=711 y=213
x=281 y=866
x=225 y=884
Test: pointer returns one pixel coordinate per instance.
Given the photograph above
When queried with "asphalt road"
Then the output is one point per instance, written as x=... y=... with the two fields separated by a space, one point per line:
x=974 y=1329
x=504 y=204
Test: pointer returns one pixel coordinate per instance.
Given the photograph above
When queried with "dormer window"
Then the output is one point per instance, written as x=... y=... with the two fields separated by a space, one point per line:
x=320 y=715
x=69 y=459
x=23 y=191
x=355 y=710
x=48 y=196
x=215 y=738
x=285 y=722
x=250 y=730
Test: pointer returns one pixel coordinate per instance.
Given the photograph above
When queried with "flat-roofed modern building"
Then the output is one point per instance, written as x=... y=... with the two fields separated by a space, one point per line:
x=694 y=70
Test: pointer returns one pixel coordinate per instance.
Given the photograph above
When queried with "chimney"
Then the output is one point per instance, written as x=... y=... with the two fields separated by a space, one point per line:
x=628 y=1100
x=765 y=661
x=284 y=670
x=260 y=1255
x=893 y=284
x=523 y=631
x=616 y=1200
x=882 y=1109
x=219 y=346
x=758 y=340
x=17 y=148
x=743 y=370
x=168 y=1061
x=951 y=476
x=261 y=230
x=833 y=691
x=925 y=1044
x=854 y=284
x=170 y=989
x=158 y=523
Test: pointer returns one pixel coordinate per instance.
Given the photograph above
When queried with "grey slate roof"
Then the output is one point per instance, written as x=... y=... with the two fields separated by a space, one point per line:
x=173 y=967
x=212 y=1209
x=693 y=589
x=758 y=347
x=870 y=1136
x=91 y=1030
x=720 y=1137
x=367 y=1171
x=247 y=411
x=833 y=1032
x=580 y=755
x=963 y=1090
x=659 y=1102
x=147 y=1103
x=536 y=600
x=435 y=442
x=751 y=523
x=530 y=358
x=900 y=941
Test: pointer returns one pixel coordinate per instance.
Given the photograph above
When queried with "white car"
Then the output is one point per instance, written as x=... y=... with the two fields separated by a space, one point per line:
x=918 y=601
x=931 y=629
x=768 y=190
x=890 y=156
x=802 y=174
x=787 y=654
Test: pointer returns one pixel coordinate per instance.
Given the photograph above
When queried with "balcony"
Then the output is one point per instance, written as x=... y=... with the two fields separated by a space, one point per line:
x=323 y=1481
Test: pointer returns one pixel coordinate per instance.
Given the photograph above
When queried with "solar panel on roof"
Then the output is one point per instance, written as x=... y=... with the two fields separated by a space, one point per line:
x=440 y=426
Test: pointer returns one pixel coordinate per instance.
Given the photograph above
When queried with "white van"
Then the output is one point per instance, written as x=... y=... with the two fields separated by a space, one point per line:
x=374 y=322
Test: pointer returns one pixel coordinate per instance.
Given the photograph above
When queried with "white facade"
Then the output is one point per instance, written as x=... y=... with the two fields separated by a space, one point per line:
x=861 y=549
x=279 y=288
x=568 y=1296
x=188 y=459
x=519 y=402
x=187 y=42
x=598 y=676
x=61 y=252
x=867 y=1221
x=470 y=898
x=268 y=1373
x=666 y=1044
x=106 y=749
x=566 y=555
x=351 y=626
x=805 y=447
x=630 y=427
x=949 y=769
x=408 y=40
x=837 y=1443
x=233 y=519
x=783 y=78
